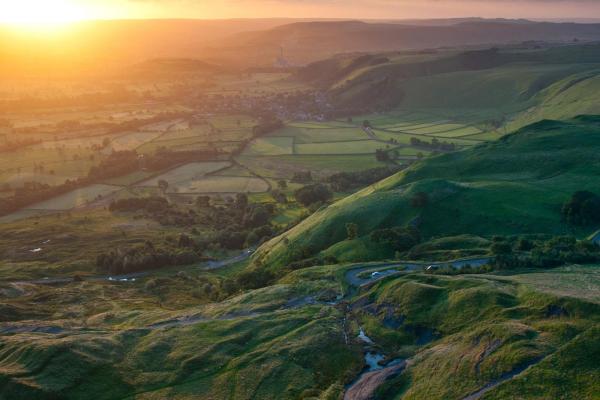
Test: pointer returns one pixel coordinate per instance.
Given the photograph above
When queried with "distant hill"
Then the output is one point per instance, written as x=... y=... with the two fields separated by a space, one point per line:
x=513 y=186
x=167 y=67
x=100 y=45
x=304 y=42
x=514 y=85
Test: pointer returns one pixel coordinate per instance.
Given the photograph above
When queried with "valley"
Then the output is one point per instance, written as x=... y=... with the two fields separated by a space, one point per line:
x=377 y=210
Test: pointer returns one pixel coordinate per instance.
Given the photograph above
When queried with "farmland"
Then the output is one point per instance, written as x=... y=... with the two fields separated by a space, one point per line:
x=322 y=147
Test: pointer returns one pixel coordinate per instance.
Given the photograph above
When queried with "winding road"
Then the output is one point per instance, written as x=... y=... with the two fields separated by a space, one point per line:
x=380 y=271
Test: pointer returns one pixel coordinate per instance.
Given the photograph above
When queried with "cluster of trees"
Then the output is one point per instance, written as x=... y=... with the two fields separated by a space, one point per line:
x=143 y=257
x=151 y=204
x=311 y=194
x=34 y=192
x=347 y=181
x=435 y=144
x=237 y=223
x=542 y=252
x=116 y=164
x=583 y=208
x=382 y=155
x=399 y=238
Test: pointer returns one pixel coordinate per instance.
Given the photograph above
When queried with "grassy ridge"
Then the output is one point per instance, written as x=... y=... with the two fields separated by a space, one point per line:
x=483 y=328
x=513 y=186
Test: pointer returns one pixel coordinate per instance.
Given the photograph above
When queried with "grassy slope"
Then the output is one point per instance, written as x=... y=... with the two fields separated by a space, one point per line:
x=488 y=326
x=261 y=348
x=250 y=346
x=512 y=186
x=514 y=86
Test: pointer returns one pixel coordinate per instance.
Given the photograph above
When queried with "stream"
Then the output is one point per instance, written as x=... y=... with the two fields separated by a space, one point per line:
x=374 y=374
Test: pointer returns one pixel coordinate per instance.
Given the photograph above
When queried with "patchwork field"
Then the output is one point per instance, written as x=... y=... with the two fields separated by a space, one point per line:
x=132 y=141
x=223 y=184
x=271 y=146
x=322 y=147
x=349 y=147
x=186 y=173
x=76 y=198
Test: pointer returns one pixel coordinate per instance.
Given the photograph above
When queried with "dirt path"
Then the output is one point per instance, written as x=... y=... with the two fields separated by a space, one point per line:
x=506 y=377
x=366 y=385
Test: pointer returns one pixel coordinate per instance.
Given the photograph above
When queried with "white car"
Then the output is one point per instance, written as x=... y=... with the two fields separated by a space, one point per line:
x=375 y=274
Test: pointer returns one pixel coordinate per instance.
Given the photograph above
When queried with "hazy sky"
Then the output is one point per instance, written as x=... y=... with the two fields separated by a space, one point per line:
x=93 y=9
x=361 y=8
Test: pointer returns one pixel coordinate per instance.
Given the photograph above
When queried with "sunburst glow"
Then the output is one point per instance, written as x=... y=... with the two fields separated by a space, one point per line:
x=41 y=13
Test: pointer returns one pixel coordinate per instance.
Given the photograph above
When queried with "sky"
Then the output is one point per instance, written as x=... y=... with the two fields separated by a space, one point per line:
x=57 y=11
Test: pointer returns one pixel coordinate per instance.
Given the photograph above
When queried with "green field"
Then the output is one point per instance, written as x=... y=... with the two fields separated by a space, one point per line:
x=189 y=172
x=222 y=184
x=270 y=146
x=76 y=198
x=198 y=131
x=353 y=147
x=320 y=133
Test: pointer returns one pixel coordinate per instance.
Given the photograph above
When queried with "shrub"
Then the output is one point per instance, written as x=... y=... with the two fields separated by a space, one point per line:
x=583 y=208
x=313 y=194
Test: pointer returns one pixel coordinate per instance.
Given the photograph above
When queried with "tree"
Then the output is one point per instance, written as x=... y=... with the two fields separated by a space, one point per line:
x=366 y=123
x=163 y=185
x=501 y=248
x=282 y=184
x=203 y=201
x=399 y=238
x=583 y=208
x=241 y=201
x=279 y=196
x=382 y=155
x=352 y=230
x=313 y=194
x=258 y=216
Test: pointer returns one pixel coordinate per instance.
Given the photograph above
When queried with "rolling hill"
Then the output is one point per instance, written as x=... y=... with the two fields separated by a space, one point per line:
x=244 y=43
x=305 y=42
x=513 y=85
x=512 y=186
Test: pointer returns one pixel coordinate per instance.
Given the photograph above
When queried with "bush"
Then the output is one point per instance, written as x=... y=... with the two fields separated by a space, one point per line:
x=400 y=238
x=141 y=258
x=500 y=248
x=582 y=209
x=254 y=279
x=313 y=194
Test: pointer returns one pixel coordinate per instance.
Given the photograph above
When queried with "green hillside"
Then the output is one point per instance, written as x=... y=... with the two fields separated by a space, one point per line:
x=505 y=88
x=506 y=331
x=516 y=185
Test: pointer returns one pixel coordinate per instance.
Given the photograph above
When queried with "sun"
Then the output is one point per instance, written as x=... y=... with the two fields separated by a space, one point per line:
x=41 y=13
